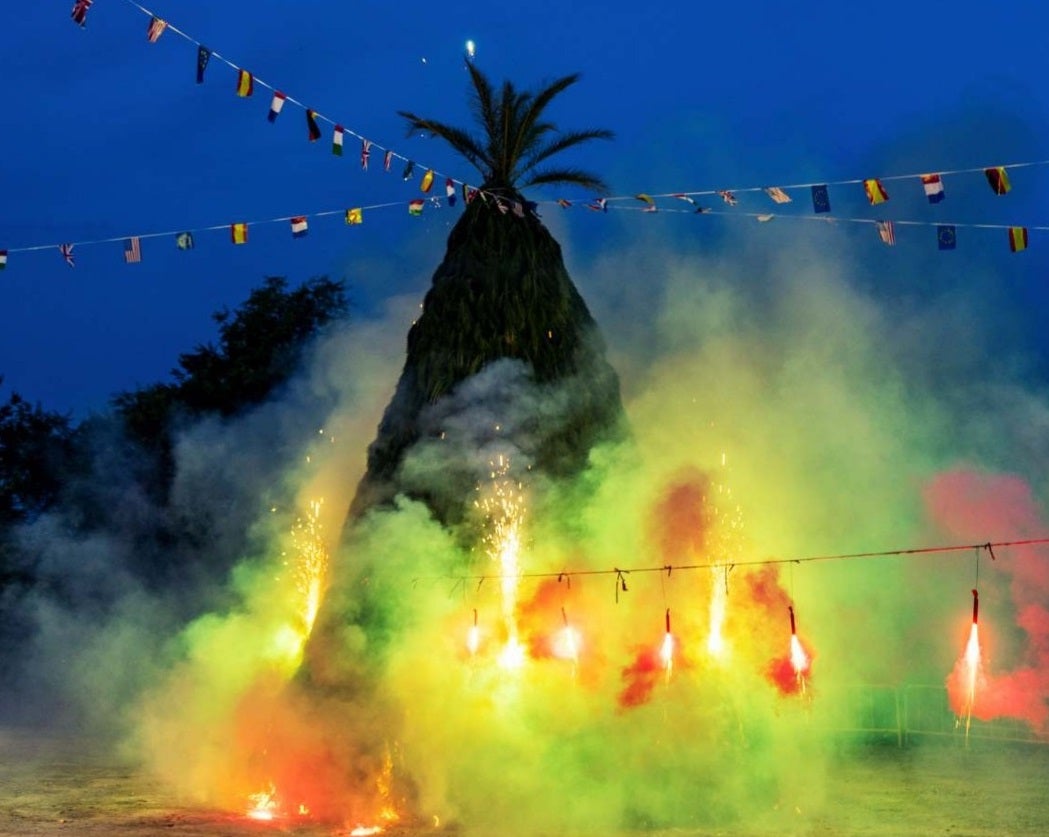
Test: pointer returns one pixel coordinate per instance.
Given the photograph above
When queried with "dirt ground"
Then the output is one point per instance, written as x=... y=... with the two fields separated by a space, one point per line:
x=56 y=787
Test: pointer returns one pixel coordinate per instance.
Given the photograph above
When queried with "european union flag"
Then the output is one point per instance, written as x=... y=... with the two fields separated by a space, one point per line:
x=946 y=236
x=820 y=198
x=203 y=56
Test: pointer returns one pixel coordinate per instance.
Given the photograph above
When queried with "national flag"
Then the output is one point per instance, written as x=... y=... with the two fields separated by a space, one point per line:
x=820 y=198
x=427 y=181
x=650 y=205
x=408 y=169
x=238 y=233
x=875 y=191
x=184 y=241
x=1017 y=239
x=469 y=193
x=80 y=8
x=67 y=253
x=561 y=202
x=336 y=140
x=681 y=196
x=728 y=197
x=299 y=226
x=886 y=232
x=132 y=250
x=933 y=186
x=598 y=205
x=764 y=218
x=449 y=191
x=203 y=56
x=777 y=194
x=366 y=152
x=355 y=216
x=311 y=125
x=416 y=207
x=3 y=259
x=156 y=29
x=276 y=105
x=245 y=83
x=999 y=179
x=387 y=160
x=946 y=236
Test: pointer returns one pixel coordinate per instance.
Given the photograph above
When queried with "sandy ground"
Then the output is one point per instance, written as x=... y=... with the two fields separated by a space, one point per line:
x=52 y=787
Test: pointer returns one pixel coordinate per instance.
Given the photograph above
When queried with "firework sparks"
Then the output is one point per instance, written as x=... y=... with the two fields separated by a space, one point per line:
x=311 y=564
x=799 y=660
x=504 y=508
x=972 y=663
x=716 y=645
x=264 y=805
x=666 y=652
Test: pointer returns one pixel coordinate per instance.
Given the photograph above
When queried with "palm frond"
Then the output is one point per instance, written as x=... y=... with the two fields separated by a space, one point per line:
x=457 y=138
x=564 y=142
x=572 y=176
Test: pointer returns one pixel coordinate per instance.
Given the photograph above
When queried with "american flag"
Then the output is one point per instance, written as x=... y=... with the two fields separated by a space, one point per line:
x=80 y=8
x=777 y=194
x=887 y=232
x=386 y=160
x=67 y=253
x=132 y=250
x=728 y=197
x=156 y=29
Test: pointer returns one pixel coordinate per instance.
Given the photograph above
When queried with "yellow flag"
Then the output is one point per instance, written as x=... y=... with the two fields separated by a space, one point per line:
x=245 y=83
x=875 y=191
x=427 y=181
x=355 y=216
x=239 y=233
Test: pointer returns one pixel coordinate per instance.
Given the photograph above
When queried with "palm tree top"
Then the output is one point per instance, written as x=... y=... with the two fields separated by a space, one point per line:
x=516 y=142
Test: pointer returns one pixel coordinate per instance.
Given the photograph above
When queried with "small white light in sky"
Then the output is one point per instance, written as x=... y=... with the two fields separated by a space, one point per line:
x=471 y=47
x=424 y=60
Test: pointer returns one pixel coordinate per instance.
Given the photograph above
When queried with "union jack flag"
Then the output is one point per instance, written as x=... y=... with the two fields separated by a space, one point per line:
x=366 y=152
x=80 y=8
x=67 y=253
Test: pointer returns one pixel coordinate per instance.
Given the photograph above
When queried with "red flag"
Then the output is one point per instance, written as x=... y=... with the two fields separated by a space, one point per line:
x=80 y=8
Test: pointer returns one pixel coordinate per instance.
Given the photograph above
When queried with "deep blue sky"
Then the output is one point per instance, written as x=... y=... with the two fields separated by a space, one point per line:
x=105 y=135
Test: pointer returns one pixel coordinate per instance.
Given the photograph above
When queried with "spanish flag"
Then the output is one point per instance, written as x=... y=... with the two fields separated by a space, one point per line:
x=875 y=191
x=355 y=216
x=239 y=233
x=427 y=181
x=998 y=179
x=245 y=83
x=1017 y=239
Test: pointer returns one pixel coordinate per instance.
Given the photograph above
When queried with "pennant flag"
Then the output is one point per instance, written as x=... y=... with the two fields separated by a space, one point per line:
x=427 y=181
x=408 y=169
x=875 y=191
x=777 y=194
x=764 y=218
x=946 y=236
x=820 y=198
x=299 y=226
x=245 y=83
x=132 y=250
x=67 y=253
x=933 y=186
x=336 y=141
x=366 y=152
x=80 y=8
x=3 y=259
x=999 y=180
x=276 y=106
x=311 y=125
x=449 y=191
x=886 y=232
x=728 y=197
x=156 y=29
x=203 y=56
x=1017 y=239
x=355 y=216
x=239 y=233
x=561 y=202
x=416 y=207
x=184 y=241
x=387 y=159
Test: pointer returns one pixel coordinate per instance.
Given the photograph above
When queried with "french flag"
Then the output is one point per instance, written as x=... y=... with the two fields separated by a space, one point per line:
x=933 y=187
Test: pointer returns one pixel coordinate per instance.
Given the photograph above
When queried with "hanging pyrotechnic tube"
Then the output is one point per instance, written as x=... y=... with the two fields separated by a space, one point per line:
x=666 y=652
x=972 y=663
x=473 y=637
x=799 y=660
x=567 y=642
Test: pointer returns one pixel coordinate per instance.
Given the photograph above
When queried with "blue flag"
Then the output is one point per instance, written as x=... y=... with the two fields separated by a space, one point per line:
x=946 y=236
x=203 y=56
x=820 y=198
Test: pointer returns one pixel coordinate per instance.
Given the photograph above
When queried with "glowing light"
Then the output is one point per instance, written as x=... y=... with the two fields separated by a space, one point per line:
x=799 y=660
x=471 y=48
x=567 y=643
x=513 y=656
x=666 y=652
x=264 y=805
x=365 y=830
x=972 y=663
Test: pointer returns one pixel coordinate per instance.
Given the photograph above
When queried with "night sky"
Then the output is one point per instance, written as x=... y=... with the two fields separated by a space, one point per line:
x=107 y=135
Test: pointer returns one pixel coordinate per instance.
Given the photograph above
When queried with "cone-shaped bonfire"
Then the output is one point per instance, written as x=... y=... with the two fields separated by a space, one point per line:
x=505 y=352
